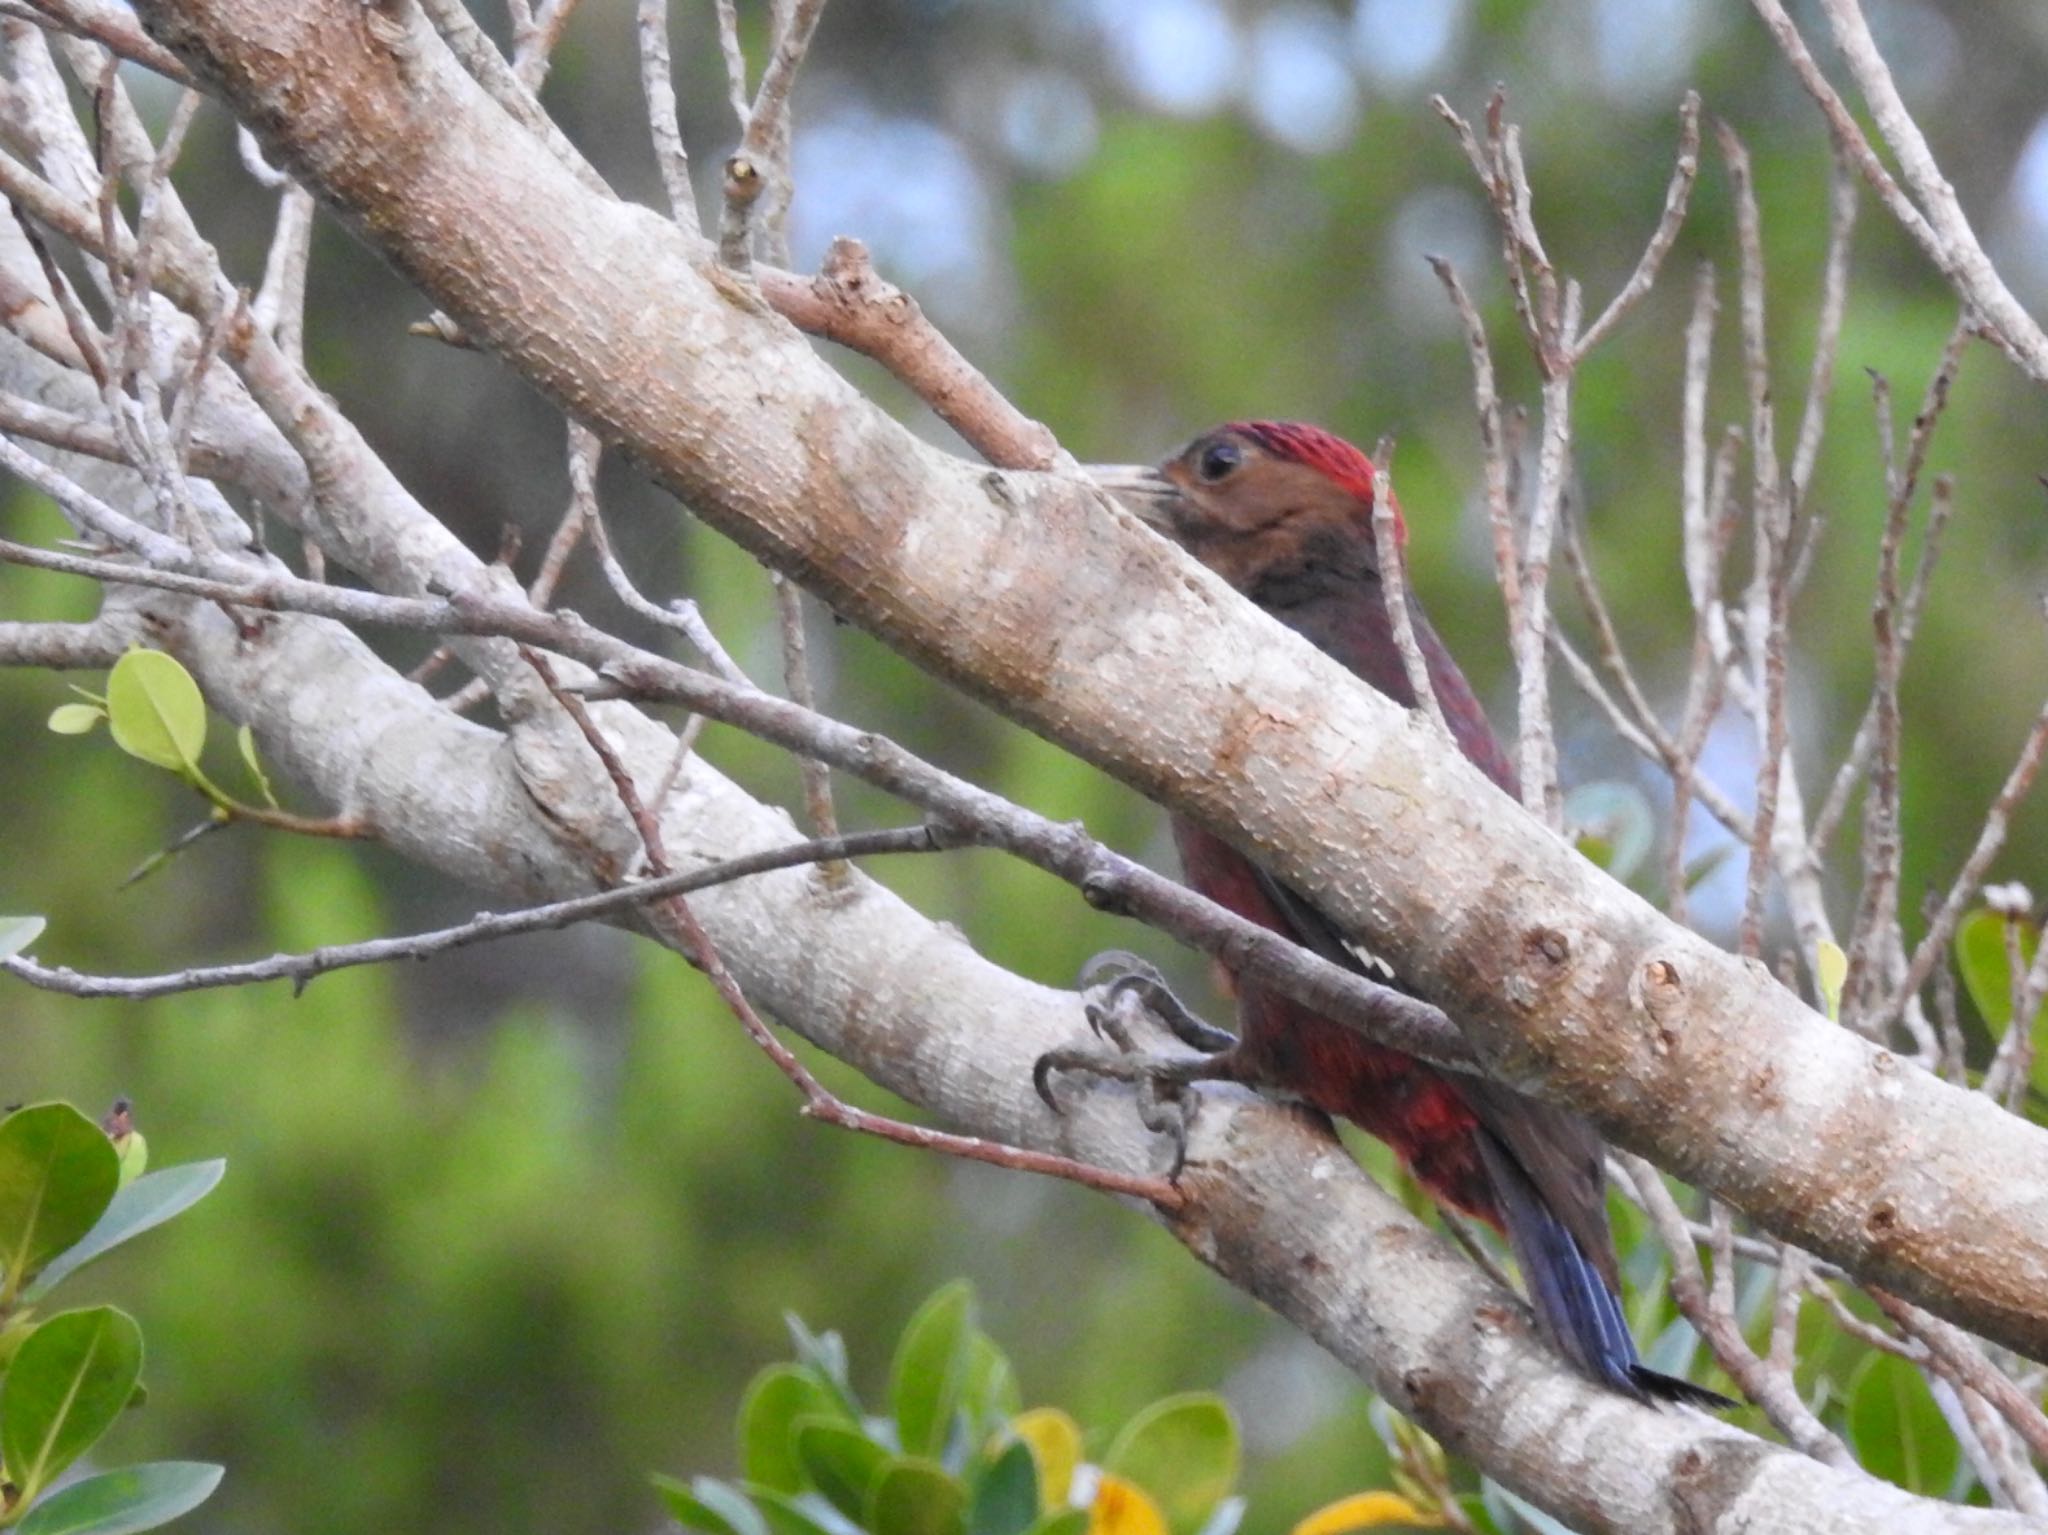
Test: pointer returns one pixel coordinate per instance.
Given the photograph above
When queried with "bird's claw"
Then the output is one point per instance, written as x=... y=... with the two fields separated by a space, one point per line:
x=1117 y=986
x=1115 y=973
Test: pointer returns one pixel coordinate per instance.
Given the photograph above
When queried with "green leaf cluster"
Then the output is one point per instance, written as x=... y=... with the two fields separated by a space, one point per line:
x=70 y=1191
x=950 y=1452
x=155 y=713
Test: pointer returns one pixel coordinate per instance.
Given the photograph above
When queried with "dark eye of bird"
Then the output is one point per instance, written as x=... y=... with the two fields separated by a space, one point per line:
x=1218 y=459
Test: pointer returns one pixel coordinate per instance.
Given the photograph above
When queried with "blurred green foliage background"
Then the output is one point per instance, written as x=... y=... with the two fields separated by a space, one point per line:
x=502 y=1233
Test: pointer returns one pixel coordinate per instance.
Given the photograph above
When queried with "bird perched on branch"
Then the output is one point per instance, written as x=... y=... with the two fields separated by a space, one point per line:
x=1283 y=512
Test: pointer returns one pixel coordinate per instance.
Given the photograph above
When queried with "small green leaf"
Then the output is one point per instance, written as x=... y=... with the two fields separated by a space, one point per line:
x=1005 y=1500
x=58 y=1173
x=1612 y=825
x=67 y=1385
x=840 y=1462
x=930 y=1369
x=1831 y=969
x=75 y=719
x=17 y=933
x=779 y=1396
x=916 y=1497
x=990 y=1395
x=245 y=740
x=805 y=1514
x=825 y=1355
x=1183 y=1451
x=1074 y=1521
x=133 y=1150
x=125 y=1501
x=1897 y=1430
x=709 y=1506
x=155 y=711
x=143 y=1205
x=1987 y=968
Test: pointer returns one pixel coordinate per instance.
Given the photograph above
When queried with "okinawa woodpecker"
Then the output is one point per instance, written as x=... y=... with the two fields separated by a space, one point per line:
x=1283 y=512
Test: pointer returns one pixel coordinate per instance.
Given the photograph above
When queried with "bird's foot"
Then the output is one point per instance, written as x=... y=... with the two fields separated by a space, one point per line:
x=1120 y=989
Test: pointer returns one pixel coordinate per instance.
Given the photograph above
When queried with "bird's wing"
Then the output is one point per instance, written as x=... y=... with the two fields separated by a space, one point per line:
x=1559 y=1152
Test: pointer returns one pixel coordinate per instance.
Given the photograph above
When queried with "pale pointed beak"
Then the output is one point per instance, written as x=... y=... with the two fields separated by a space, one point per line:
x=1146 y=493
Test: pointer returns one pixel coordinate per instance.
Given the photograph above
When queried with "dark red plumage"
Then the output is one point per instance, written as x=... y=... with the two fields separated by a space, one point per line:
x=1283 y=511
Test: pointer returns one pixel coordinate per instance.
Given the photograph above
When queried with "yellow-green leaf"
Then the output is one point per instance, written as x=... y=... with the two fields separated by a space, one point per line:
x=75 y=719
x=1831 y=969
x=155 y=711
x=1183 y=1451
x=1369 y=1511
x=1055 y=1441
x=1986 y=966
x=1122 y=1508
x=245 y=740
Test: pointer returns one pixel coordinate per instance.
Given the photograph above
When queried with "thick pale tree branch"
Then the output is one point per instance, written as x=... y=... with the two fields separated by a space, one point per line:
x=1036 y=595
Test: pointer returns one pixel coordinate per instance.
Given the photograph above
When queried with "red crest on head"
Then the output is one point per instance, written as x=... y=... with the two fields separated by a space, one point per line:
x=1323 y=451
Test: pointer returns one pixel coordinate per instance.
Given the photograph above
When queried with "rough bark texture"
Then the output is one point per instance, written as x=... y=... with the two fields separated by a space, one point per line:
x=1034 y=594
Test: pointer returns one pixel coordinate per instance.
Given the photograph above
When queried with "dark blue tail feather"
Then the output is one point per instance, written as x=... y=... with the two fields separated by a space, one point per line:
x=1572 y=1299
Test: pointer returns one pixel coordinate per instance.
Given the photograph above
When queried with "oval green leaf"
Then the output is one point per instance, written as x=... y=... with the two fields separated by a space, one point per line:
x=17 y=933
x=840 y=1462
x=930 y=1369
x=780 y=1395
x=122 y=1502
x=67 y=1385
x=1897 y=1431
x=75 y=719
x=1005 y=1500
x=1074 y=1521
x=1183 y=1451
x=245 y=743
x=709 y=1506
x=990 y=1395
x=1987 y=968
x=155 y=711
x=146 y=1203
x=58 y=1173
x=801 y=1515
x=916 y=1497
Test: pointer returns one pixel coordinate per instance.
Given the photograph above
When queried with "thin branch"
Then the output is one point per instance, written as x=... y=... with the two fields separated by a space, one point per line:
x=1500 y=512
x=1677 y=197
x=110 y=25
x=1827 y=330
x=302 y=969
x=1990 y=838
x=1962 y=1354
x=1388 y=537
x=1717 y=1323
x=1945 y=234
x=850 y=303
x=819 y=1102
x=657 y=83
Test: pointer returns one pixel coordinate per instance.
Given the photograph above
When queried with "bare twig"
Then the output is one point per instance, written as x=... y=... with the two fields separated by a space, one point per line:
x=302 y=969
x=1990 y=838
x=1772 y=1391
x=112 y=26
x=1834 y=292
x=657 y=82
x=1500 y=513
x=1677 y=197
x=1945 y=233
x=1388 y=537
x=849 y=302
x=818 y=1102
